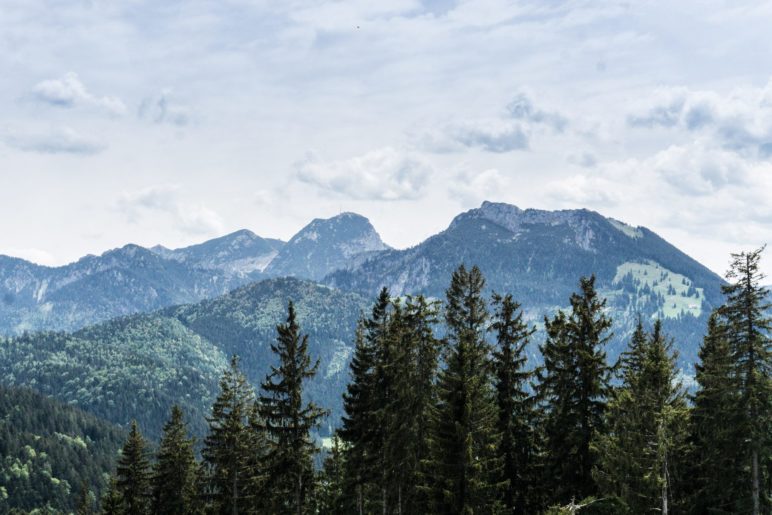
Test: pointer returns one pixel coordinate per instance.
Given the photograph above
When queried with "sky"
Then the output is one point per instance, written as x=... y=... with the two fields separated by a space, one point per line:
x=173 y=122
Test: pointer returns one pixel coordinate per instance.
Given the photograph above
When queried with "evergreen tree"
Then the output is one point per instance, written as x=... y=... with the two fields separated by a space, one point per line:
x=332 y=480
x=175 y=473
x=714 y=426
x=515 y=406
x=360 y=431
x=357 y=422
x=463 y=440
x=574 y=385
x=134 y=473
x=747 y=315
x=230 y=448
x=416 y=383
x=112 y=502
x=648 y=421
x=406 y=368
x=288 y=421
x=385 y=332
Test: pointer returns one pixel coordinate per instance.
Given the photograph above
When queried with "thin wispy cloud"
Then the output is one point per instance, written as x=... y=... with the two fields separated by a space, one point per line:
x=58 y=140
x=164 y=108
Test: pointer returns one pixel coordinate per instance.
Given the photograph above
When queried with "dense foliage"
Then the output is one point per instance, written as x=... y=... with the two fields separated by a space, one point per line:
x=48 y=449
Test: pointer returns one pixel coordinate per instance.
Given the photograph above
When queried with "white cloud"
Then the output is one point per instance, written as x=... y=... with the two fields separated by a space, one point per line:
x=493 y=136
x=510 y=132
x=471 y=188
x=497 y=136
x=57 y=140
x=189 y=218
x=68 y=91
x=383 y=174
x=699 y=169
x=740 y=121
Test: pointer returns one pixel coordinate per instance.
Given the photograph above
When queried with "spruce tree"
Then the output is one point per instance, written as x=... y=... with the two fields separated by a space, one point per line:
x=574 y=385
x=406 y=369
x=747 y=315
x=648 y=422
x=416 y=376
x=357 y=423
x=288 y=421
x=464 y=464
x=134 y=473
x=385 y=331
x=714 y=426
x=515 y=406
x=176 y=471
x=360 y=430
x=230 y=448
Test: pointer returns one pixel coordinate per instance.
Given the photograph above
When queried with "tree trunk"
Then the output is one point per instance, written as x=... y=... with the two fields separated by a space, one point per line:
x=664 y=488
x=755 y=481
x=384 y=508
x=299 y=495
x=235 y=499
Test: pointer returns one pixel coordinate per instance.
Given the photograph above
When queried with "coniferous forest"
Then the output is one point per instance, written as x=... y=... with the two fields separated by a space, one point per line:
x=442 y=415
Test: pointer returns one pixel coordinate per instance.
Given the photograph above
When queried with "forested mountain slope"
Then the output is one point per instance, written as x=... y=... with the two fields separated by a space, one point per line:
x=48 y=449
x=136 y=367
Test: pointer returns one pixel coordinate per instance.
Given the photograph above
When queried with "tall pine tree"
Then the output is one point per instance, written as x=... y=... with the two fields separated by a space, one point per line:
x=407 y=368
x=747 y=315
x=360 y=432
x=356 y=424
x=515 y=405
x=176 y=471
x=133 y=473
x=714 y=426
x=574 y=386
x=288 y=421
x=647 y=427
x=231 y=481
x=464 y=462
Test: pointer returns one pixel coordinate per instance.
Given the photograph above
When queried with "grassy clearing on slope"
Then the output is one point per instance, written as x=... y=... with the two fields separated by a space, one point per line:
x=680 y=295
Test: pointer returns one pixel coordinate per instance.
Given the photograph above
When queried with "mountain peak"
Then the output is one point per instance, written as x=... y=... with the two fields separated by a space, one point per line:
x=326 y=244
x=513 y=218
x=241 y=253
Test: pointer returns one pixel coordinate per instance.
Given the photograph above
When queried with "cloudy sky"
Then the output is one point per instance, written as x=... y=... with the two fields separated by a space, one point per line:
x=172 y=122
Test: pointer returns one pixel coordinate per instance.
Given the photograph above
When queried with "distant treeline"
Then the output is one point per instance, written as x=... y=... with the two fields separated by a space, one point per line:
x=459 y=425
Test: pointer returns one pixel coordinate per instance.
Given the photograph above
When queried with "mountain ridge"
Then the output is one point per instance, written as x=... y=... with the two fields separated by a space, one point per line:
x=134 y=279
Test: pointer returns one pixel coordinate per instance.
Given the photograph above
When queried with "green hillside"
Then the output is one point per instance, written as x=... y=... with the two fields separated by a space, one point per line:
x=48 y=449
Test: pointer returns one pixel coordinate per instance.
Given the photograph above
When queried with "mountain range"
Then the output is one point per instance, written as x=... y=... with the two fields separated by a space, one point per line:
x=149 y=327
x=133 y=279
